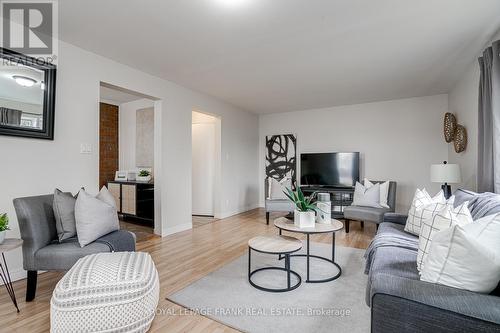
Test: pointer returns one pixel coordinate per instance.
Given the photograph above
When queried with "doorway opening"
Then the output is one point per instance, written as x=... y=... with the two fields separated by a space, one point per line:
x=206 y=168
x=127 y=152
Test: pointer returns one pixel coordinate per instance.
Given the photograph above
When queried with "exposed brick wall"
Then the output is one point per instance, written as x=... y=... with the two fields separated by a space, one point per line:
x=108 y=142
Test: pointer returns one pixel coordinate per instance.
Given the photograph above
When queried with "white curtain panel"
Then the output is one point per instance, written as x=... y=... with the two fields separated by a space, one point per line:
x=488 y=173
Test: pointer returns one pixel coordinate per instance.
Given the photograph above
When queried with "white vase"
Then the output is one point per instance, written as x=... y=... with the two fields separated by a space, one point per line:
x=2 y=236
x=324 y=212
x=304 y=219
x=143 y=179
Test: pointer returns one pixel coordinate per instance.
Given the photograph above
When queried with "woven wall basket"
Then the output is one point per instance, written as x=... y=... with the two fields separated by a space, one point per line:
x=460 y=141
x=450 y=126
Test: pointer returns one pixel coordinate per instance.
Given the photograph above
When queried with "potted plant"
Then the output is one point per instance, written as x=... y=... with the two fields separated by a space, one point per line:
x=144 y=175
x=4 y=226
x=305 y=210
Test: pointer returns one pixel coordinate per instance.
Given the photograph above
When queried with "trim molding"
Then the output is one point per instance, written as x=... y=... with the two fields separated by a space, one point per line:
x=16 y=275
x=177 y=228
x=239 y=211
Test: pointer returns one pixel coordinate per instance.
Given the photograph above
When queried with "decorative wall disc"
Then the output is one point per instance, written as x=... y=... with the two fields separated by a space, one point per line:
x=450 y=126
x=460 y=141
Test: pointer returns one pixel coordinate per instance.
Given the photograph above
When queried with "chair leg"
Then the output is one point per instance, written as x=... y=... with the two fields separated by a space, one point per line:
x=31 y=286
x=346 y=225
x=362 y=224
x=267 y=218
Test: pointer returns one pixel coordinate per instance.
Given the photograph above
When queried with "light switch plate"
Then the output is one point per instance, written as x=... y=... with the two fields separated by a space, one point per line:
x=85 y=148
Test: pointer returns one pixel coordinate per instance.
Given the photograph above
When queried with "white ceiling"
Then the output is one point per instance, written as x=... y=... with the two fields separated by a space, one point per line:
x=282 y=55
x=115 y=96
x=202 y=118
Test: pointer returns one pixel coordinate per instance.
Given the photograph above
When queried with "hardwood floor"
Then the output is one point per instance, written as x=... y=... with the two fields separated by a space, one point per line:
x=180 y=259
x=199 y=221
x=142 y=232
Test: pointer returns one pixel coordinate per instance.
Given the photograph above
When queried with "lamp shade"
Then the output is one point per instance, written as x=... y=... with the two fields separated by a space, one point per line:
x=445 y=173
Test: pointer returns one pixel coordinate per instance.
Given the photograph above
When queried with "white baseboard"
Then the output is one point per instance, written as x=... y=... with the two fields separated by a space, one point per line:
x=177 y=228
x=239 y=211
x=16 y=275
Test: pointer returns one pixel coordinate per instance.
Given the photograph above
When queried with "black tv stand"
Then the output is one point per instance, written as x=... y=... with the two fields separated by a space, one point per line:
x=339 y=196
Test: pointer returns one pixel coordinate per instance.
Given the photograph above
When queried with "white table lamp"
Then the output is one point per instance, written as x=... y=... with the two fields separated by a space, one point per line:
x=446 y=174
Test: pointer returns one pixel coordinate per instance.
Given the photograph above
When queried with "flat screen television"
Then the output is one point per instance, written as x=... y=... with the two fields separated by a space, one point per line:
x=329 y=169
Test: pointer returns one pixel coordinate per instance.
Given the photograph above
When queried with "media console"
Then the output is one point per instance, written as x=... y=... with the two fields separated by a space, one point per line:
x=339 y=196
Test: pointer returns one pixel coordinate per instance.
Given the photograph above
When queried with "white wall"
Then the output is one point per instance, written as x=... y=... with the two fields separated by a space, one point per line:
x=398 y=140
x=127 y=119
x=33 y=167
x=204 y=154
x=206 y=169
x=463 y=102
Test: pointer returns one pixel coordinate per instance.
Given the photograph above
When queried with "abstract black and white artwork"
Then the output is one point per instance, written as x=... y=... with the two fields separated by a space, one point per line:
x=281 y=159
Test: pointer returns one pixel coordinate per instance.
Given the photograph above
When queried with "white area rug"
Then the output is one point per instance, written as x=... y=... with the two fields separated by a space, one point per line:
x=337 y=306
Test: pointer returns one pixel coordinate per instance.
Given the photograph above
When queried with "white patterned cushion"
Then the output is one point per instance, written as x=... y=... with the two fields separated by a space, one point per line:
x=443 y=219
x=423 y=206
x=106 y=292
x=466 y=257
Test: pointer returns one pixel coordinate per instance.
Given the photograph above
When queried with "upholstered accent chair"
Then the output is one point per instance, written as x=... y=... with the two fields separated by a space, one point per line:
x=41 y=248
x=370 y=214
x=275 y=205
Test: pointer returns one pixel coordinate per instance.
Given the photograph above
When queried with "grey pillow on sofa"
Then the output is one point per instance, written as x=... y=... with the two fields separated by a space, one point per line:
x=95 y=216
x=64 y=213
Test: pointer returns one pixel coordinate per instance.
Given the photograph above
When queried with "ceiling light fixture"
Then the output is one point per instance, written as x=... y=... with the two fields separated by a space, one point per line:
x=24 y=80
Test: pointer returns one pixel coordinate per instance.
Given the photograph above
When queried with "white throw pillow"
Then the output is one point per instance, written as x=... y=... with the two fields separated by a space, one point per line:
x=277 y=188
x=440 y=220
x=384 y=192
x=368 y=197
x=466 y=257
x=422 y=207
x=95 y=216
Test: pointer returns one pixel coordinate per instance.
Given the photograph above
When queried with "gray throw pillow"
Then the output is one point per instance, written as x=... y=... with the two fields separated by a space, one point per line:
x=367 y=197
x=106 y=196
x=277 y=188
x=64 y=213
x=94 y=216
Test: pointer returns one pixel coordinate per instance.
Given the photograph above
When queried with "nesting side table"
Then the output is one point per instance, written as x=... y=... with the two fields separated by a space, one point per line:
x=280 y=245
x=7 y=245
x=285 y=224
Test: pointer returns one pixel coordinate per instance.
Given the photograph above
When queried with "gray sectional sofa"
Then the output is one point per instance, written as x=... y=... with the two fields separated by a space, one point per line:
x=400 y=302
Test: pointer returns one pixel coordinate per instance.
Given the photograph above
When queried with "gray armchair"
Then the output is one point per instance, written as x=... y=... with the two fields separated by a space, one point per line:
x=276 y=205
x=370 y=214
x=42 y=250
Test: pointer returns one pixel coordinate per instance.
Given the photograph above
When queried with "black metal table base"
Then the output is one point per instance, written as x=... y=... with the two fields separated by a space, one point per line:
x=308 y=280
x=308 y=257
x=7 y=282
x=286 y=269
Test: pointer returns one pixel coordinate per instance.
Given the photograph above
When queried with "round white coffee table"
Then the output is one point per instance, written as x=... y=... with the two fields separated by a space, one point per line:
x=286 y=224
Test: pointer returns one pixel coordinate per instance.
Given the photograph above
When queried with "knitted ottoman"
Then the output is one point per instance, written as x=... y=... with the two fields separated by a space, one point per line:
x=106 y=292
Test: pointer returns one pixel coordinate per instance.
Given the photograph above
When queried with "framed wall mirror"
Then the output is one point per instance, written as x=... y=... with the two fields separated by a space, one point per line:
x=27 y=96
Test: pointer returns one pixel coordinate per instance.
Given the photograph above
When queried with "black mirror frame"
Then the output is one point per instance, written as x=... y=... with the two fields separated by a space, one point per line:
x=49 y=96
